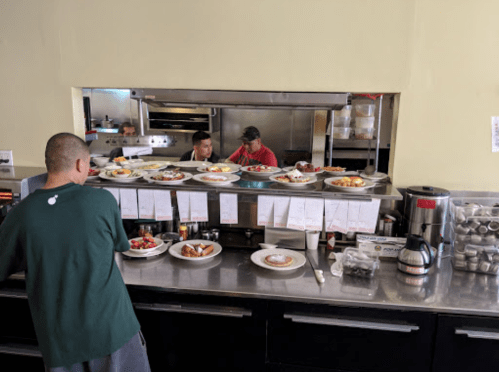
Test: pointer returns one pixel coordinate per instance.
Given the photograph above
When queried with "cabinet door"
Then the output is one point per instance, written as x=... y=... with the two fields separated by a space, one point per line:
x=351 y=339
x=188 y=337
x=16 y=307
x=466 y=343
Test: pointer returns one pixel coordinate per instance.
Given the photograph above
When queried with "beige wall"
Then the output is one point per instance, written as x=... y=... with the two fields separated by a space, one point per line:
x=442 y=57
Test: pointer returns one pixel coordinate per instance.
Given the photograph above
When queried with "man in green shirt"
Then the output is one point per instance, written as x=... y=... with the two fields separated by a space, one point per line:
x=64 y=236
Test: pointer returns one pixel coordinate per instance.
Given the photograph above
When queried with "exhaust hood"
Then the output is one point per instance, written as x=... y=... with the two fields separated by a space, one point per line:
x=240 y=99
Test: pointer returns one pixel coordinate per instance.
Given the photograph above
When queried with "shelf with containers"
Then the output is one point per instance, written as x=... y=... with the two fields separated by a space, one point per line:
x=355 y=131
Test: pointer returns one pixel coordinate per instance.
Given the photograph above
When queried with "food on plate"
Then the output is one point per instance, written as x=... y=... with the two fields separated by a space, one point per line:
x=196 y=250
x=215 y=168
x=119 y=158
x=333 y=169
x=278 y=260
x=121 y=172
x=260 y=168
x=307 y=168
x=214 y=178
x=149 y=166
x=146 y=242
x=93 y=172
x=169 y=176
x=349 y=182
x=294 y=176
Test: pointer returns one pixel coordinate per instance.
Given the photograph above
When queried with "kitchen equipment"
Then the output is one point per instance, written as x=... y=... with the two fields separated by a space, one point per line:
x=319 y=274
x=425 y=214
x=206 y=234
x=215 y=233
x=369 y=170
x=107 y=123
x=416 y=257
x=248 y=233
x=286 y=238
x=16 y=183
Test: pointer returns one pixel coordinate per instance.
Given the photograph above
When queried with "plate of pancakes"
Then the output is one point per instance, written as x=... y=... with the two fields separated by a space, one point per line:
x=278 y=259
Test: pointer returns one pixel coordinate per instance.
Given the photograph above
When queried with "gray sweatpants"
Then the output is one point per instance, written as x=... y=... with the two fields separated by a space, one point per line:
x=131 y=357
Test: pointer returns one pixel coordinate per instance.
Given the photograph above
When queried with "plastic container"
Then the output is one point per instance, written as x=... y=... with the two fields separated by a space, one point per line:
x=474 y=234
x=359 y=263
x=346 y=111
x=363 y=110
x=342 y=121
x=364 y=122
x=364 y=133
x=341 y=133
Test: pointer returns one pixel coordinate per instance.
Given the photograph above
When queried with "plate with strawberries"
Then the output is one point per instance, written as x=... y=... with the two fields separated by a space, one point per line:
x=93 y=173
x=144 y=246
x=260 y=170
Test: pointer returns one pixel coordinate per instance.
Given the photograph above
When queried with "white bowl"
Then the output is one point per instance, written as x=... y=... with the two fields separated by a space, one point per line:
x=267 y=245
x=101 y=161
x=125 y=175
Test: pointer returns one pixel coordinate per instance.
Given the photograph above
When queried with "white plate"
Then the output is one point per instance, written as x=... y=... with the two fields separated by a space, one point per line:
x=106 y=176
x=378 y=176
x=160 y=165
x=228 y=178
x=233 y=168
x=176 y=250
x=273 y=170
x=156 y=252
x=258 y=258
x=191 y=164
x=289 y=169
x=130 y=162
x=142 y=252
x=149 y=177
x=328 y=181
x=336 y=173
x=293 y=184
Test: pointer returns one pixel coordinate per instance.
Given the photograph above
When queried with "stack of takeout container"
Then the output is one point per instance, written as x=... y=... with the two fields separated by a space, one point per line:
x=341 y=125
x=474 y=234
x=364 y=121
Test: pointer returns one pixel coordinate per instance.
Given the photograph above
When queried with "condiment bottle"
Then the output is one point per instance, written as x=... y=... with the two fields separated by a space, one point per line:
x=145 y=229
x=182 y=232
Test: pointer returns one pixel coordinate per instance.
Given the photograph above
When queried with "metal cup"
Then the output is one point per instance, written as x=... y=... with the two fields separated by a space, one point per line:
x=206 y=234
x=215 y=233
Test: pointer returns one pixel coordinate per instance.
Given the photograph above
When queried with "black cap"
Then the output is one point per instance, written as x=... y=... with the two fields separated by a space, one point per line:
x=250 y=134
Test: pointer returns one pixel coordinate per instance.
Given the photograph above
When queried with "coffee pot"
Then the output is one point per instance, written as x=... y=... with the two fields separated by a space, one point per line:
x=416 y=257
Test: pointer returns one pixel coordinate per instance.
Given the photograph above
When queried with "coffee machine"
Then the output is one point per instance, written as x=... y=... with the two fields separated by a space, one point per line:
x=425 y=214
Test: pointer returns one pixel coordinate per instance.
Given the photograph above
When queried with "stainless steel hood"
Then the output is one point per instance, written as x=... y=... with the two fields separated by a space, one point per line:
x=240 y=99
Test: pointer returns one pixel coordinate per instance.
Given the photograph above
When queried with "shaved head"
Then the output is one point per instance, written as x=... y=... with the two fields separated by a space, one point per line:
x=62 y=151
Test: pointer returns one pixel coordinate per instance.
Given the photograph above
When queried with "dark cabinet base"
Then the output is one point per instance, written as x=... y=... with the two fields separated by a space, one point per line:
x=466 y=343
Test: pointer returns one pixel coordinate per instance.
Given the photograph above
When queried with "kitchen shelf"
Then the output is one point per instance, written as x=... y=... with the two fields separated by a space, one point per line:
x=255 y=185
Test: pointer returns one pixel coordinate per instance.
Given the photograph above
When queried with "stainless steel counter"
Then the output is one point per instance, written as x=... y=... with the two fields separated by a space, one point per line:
x=250 y=184
x=233 y=274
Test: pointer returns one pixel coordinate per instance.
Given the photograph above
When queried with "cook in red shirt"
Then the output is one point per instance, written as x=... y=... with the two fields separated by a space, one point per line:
x=252 y=151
